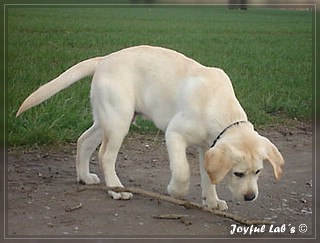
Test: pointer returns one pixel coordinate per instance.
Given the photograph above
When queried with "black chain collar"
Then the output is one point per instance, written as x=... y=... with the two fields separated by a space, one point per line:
x=223 y=131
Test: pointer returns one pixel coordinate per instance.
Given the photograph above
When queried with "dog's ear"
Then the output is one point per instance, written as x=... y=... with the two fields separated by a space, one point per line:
x=274 y=157
x=217 y=163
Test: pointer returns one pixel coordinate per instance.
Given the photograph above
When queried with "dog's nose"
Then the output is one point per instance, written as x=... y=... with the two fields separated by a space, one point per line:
x=249 y=196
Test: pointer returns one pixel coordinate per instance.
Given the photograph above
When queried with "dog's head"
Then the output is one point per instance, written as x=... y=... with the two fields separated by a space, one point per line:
x=239 y=156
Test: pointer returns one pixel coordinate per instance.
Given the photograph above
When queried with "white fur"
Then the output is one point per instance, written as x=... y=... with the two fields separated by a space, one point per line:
x=190 y=102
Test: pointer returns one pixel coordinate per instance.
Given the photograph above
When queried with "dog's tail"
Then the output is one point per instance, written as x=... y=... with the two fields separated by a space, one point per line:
x=67 y=78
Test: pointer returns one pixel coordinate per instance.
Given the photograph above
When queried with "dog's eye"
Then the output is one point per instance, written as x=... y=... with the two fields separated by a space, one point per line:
x=258 y=171
x=239 y=174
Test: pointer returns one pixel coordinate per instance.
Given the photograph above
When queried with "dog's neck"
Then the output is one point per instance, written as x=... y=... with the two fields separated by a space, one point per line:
x=224 y=130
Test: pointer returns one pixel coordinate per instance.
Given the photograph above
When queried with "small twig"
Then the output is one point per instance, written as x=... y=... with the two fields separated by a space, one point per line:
x=183 y=218
x=169 y=216
x=181 y=202
x=156 y=137
x=70 y=209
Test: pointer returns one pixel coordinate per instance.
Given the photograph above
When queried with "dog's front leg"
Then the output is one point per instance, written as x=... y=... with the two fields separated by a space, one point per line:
x=211 y=199
x=180 y=171
x=209 y=194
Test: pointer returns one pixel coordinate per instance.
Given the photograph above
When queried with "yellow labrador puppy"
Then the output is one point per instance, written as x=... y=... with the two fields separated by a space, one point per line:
x=193 y=104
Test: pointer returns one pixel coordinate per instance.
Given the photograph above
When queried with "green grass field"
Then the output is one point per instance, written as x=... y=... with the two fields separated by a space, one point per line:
x=267 y=53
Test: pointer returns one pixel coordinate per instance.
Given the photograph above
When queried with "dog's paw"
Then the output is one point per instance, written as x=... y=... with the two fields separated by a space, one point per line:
x=217 y=204
x=89 y=179
x=178 y=190
x=120 y=195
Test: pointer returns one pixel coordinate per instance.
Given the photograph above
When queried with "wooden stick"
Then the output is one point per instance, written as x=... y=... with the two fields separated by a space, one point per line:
x=181 y=202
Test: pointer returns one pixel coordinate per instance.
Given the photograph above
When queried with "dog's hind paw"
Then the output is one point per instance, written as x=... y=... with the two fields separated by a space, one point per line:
x=89 y=179
x=120 y=195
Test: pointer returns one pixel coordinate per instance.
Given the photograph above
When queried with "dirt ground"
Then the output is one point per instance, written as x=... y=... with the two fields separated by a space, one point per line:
x=43 y=200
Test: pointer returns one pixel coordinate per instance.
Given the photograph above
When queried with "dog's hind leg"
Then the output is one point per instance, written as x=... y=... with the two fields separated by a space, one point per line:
x=111 y=143
x=87 y=143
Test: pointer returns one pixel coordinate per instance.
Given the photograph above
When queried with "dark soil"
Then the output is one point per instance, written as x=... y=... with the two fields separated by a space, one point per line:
x=43 y=200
